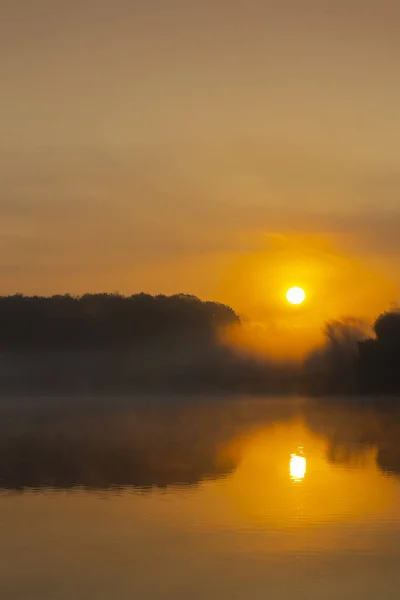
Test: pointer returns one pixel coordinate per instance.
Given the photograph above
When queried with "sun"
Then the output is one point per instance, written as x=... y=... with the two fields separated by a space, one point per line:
x=295 y=295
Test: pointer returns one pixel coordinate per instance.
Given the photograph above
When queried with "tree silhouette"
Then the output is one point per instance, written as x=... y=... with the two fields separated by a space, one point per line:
x=387 y=328
x=333 y=367
x=379 y=362
x=108 y=342
x=66 y=322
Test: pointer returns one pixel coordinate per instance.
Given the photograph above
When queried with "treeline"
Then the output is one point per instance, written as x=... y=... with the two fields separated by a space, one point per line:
x=356 y=359
x=379 y=358
x=104 y=320
x=110 y=343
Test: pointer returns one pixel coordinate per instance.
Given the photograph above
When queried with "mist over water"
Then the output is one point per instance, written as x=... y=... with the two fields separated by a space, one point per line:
x=201 y=496
x=175 y=424
x=112 y=344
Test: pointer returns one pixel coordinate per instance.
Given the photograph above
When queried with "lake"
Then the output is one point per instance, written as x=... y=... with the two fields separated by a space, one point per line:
x=195 y=498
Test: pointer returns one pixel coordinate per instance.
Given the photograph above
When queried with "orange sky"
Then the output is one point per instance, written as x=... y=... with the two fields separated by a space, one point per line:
x=218 y=148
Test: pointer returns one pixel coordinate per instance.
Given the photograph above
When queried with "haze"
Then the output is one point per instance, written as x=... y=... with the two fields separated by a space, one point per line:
x=208 y=148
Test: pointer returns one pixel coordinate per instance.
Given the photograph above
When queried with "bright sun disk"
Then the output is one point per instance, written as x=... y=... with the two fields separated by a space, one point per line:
x=295 y=295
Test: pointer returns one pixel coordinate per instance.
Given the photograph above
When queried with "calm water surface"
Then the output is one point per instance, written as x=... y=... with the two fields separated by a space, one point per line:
x=194 y=499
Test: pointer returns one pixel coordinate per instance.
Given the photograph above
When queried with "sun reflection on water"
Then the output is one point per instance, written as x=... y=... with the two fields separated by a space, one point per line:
x=298 y=467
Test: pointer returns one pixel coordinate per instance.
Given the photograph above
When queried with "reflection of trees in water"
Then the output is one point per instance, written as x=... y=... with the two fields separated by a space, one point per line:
x=158 y=444
x=351 y=427
x=100 y=447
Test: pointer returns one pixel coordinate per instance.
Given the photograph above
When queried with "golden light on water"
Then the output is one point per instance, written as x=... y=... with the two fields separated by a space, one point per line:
x=298 y=467
x=295 y=295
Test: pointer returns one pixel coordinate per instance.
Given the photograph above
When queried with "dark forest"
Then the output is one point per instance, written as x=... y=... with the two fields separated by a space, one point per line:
x=115 y=344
